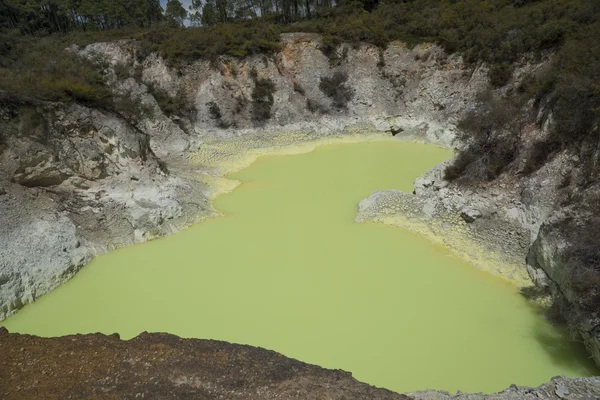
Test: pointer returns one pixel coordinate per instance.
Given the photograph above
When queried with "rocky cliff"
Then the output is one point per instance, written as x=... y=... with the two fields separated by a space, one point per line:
x=82 y=181
x=79 y=181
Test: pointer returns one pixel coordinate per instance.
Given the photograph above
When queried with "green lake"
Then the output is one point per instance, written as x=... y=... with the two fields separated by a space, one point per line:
x=289 y=270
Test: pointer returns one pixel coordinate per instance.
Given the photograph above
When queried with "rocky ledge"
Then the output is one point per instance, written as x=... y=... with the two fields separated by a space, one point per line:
x=163 y=366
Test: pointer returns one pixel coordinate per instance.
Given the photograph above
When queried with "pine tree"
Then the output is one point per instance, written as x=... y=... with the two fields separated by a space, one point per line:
x=195 y=13
x=209 y=13
x=175 y=13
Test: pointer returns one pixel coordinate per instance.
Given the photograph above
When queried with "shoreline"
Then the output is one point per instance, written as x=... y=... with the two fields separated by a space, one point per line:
x=444 y=228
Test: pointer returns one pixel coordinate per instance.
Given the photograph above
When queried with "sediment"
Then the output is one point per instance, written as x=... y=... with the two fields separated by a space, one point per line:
x=163 y=366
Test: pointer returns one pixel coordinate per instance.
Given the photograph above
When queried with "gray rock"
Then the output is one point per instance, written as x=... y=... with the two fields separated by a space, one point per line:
x=470 y=214
x=395 y=129
x=78 y=184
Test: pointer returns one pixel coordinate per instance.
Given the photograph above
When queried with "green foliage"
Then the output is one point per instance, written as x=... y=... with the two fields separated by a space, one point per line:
x=494 y=31
x=214 y=110
x=336 y=89
x=497 y=32
x=171 y=105
x=492 y=132
x=122 y=70
x=262 y=97
x=540 y=153
x=239 y=39
x=175 y=13
x=209 y=13
x=570 y=87
x=42 y=17
x=132 y=108
x=33 y=125
x=44 y=70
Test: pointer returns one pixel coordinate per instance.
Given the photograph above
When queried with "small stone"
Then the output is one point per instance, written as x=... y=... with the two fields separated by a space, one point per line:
x=395 y=129
x=561 y=390
x=470 y=215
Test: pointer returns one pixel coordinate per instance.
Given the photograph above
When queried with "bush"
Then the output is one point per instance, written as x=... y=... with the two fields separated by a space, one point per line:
x=171 y=105
x=237 y=39
x=262 y=98
x=492 y=132
x=45 y=71
x=214 y=110
x=132 y=108
x=122 y=70
x=539 y=154
x=336 y=89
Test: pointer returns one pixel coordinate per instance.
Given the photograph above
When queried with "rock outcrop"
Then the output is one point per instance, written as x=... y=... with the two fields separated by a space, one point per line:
x=76 y=181
x=84 y=181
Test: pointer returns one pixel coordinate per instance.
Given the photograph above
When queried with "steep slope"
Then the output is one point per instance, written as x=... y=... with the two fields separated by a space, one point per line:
x=98 y=179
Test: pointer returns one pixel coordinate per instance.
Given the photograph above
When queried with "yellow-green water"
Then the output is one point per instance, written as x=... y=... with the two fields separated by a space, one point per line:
x=287 y=269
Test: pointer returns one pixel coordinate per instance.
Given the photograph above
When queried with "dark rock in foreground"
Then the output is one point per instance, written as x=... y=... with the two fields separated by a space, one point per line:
x=163 y=366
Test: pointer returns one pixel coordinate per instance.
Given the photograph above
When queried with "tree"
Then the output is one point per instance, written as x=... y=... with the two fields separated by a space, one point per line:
x=222 y=8
x=175 y=12
x=209 y=13
x=195 y=13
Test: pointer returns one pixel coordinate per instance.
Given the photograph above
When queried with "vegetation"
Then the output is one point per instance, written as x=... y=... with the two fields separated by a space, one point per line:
x=262 y=97
x=171 y=105
x=34 y=34
x=42 y=17
x=492 y=132
x=175 y=13
x=40 y=69
x=240 y=39
x=568 y=90
x=336 y=89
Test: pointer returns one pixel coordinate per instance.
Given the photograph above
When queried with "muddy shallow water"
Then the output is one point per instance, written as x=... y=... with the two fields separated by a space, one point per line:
x=287 y=269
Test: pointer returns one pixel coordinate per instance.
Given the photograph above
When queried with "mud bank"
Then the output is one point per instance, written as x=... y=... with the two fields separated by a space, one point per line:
x=158 y=365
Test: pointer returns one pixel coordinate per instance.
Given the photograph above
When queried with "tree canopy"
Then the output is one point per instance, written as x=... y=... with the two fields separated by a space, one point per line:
x=175 y=13
x=50 y=16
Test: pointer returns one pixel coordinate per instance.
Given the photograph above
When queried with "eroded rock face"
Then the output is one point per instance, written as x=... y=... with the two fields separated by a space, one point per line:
x=83 y=181
x=110 y=179
x=78 y=184
x=162 y=366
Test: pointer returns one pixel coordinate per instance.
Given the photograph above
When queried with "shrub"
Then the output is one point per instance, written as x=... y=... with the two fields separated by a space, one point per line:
x=540 y=153
x=171 y=105
x=492 y=132
x=45 y=71
x=132 y=108
x=33 y=124
x=336 y=89
x=121 y=70
x=214 y=110
x=215 y=113
x=500 y=74
x=237 y=39
x=262 y=97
